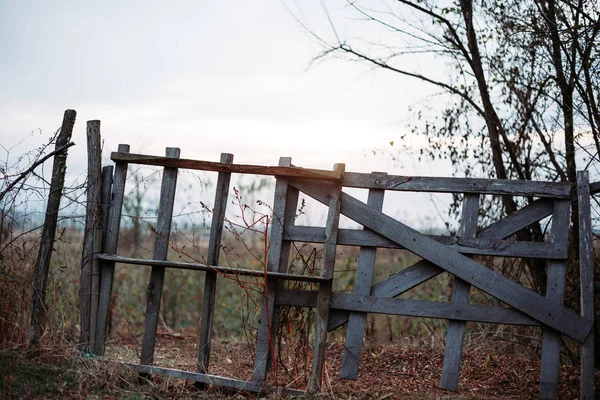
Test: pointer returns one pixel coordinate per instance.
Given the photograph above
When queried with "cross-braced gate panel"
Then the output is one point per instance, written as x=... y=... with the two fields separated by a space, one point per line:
x=439 y=254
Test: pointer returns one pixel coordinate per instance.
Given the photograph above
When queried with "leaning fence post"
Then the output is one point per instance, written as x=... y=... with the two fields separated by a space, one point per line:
x=40 y=279
x=161 y=247
x=92 y=234
x=586 y=272
x=111 y=237
x=99 y=244
x=210 y=280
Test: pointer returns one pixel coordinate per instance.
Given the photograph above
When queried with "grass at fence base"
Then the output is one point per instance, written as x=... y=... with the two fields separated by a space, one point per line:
x=388 y=372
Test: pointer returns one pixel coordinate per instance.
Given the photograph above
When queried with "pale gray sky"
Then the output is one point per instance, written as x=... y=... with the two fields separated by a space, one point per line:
x=206 y=76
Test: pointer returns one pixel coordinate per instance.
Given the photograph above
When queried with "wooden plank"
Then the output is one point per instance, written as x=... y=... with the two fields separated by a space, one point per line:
x=224 y=167
x=107 y=174
x=161 y=246
x=521 y=219
x=413 y=308
x=423 y=270
x=586 y=273
x=333 y=200
x=525 y=300
x=431 y=309
x=212 y=258
x=107 y=267
x=210 y=379
x=42 y=265
x=291 y=205
x=555 y=289
x=461 y=292
x=225 y=271
x=362 y=286
x=92 y=234
x=194 y=376
x=264 y=336
x=557 y=190
x=470 y=246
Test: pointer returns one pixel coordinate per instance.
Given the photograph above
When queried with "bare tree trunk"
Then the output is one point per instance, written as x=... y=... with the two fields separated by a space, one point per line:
x=38 y=316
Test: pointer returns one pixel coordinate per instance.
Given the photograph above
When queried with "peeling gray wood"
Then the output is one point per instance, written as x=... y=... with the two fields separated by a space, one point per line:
x=264 y=336
x=194 y=376
x=42 y=265
x=458 y=185
x=461 y=292
x=210 y=280
x=291 y=205
x=283 y=171
x=362 y=286
x=423 y=270
x=107 y=174
x=107 y=267
x=586 y=272
x=412 y=308
x=470 y=246
x=161 y=247
x=555 y=289
x=525 y=300
x=225 y=271
x=333 y=200
x=92 y=234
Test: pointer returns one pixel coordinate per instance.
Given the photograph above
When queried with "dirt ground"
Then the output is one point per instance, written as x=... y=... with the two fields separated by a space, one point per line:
x=386 y=372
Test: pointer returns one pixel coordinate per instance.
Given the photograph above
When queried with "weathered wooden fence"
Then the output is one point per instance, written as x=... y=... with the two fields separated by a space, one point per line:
x=439 y=254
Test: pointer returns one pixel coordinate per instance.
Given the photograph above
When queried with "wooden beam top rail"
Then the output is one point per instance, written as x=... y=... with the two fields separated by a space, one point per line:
x=296 y=172
x=558 y=190
x=216 y=268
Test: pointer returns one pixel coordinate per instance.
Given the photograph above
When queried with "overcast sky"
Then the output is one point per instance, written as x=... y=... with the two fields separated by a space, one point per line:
x=205 y=76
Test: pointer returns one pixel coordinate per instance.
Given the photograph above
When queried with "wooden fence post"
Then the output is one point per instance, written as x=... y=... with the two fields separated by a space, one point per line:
x=111 y=236
x=461 y=293
x=99 y=244
x=92 y=234
x=264 y=339
x=362 y=286
x=586 y=272
x=555 y=290
x=325 y=288
x=161 y=247
x=210 y=280
x=40 y=279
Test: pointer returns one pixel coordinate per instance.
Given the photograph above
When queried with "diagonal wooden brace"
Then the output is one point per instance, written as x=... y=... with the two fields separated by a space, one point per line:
x=536 y=306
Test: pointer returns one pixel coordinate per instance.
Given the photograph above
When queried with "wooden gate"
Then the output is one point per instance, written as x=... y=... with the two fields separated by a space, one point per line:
x=452 y=254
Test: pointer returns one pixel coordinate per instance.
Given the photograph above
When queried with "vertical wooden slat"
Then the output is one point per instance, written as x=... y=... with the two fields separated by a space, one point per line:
x=460 y=295
x=325 y=288
x=264 y=339
x=93 y=232
x=107 y=177
x=291 y=203
x=210 y=280
x=555 y=290
x=161 y=246
x=586 y=272
x=111 y=234
x=362 y=286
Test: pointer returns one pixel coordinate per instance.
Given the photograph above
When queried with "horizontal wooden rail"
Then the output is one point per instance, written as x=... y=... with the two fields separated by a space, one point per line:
x=486 y=247
x=412 y=308
x=297 y=172
x=210 y=379
x=215 y=268
x=557 y=190
x=194 y=376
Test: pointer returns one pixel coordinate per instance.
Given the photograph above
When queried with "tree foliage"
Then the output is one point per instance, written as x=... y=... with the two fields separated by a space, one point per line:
x=519 y=80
